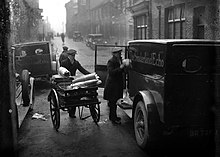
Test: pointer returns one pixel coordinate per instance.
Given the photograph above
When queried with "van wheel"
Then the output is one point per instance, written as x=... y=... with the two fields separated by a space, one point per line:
x=25 y=78
x=148 y=129
x=141 y=125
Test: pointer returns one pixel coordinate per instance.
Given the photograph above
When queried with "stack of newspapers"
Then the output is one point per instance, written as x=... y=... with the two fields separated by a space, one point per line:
x=88 y=80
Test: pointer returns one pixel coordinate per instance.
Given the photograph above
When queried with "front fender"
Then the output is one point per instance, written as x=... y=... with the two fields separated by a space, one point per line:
x=151 y=97
x=31 y=90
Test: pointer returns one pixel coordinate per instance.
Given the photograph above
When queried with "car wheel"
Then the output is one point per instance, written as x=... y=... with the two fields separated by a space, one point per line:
x=141 y=125
x=147 y=128
x=25 y=81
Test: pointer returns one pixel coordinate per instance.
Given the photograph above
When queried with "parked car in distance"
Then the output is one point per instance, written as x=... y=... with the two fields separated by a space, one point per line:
x=94 y=39
x=77 y=36
x=36 y=57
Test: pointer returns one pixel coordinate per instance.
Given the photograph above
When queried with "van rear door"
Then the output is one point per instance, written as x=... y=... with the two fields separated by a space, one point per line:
x=190 y=91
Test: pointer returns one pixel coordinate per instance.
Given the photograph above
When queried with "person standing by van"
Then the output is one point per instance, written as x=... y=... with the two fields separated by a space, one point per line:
x=114 y=84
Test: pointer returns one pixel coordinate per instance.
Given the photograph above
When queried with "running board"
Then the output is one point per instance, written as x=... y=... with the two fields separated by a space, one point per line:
x=128 y=112
x=126 y=107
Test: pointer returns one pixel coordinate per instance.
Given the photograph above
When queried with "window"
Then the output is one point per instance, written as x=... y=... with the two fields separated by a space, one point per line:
x=83 y=2
x=175 y=23
x=141 y=27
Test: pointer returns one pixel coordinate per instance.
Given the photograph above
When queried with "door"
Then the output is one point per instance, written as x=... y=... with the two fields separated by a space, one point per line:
x=102 y=55
x=199 y=22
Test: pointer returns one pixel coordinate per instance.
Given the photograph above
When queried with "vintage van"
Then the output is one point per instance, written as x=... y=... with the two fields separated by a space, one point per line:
x=173 y=86
x=36 y=57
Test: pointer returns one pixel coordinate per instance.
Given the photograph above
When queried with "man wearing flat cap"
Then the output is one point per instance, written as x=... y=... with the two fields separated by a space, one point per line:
x=114 y=83
x=63 y=55
x=71 y=64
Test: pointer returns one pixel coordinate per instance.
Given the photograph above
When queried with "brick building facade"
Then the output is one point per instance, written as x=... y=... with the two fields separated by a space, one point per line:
x=176 y=19
x=185 y=19
x=123 y=20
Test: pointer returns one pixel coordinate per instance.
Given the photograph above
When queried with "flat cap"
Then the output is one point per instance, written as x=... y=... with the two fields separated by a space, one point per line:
x=71 y=52
x=65 y=48
x=116 y=49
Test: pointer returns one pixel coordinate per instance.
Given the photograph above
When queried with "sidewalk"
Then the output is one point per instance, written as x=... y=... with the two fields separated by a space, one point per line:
x=22 y=112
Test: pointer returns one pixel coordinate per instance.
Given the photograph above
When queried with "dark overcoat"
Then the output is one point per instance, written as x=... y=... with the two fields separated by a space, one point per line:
x=114 y=82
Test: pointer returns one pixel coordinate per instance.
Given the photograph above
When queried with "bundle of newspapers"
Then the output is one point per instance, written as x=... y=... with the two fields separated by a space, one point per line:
x=88 y=80
x=81 y=81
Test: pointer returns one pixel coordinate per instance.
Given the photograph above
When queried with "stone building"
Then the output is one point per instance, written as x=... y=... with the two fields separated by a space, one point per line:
x=71 y=17
x=108 y=17
x=25 y=20
x=123 y=20
x=79 y=16
x=176 y=19
x=112 y=19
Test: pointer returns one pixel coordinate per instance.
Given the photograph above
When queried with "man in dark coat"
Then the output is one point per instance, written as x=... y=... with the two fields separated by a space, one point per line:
x=64 y=54
x=114 y=83
x=63 y=38
x=71 y=64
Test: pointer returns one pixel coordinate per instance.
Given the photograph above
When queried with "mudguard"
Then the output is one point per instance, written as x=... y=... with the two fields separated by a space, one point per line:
x=32 y=92
x=151 y=97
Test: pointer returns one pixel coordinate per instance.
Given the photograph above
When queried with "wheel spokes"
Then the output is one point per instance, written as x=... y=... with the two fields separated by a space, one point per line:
x=55 y=115
x=140 y=127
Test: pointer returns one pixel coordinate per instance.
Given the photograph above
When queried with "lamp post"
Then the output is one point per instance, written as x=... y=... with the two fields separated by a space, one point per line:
x=43 y=28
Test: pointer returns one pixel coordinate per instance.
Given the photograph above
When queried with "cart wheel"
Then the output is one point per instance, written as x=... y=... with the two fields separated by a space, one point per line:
x=95 y=112
x=25 y=80
x=54 y=109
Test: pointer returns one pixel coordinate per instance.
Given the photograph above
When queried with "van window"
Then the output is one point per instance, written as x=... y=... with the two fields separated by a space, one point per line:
x=193 y=59
x=30 y=50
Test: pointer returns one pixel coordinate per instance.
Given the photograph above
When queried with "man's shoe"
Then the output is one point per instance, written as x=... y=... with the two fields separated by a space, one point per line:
x=116 y=122
x=118 y=118
x=72 y=116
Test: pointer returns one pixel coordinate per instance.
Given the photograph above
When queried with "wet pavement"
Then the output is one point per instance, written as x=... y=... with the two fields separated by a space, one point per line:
x=75 y=137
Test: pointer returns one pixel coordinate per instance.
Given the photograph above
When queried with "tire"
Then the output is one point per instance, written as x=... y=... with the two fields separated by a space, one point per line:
x=141 y=125
x=25 y=81
x=95 y=112
x=147 y=129
x=54 y=109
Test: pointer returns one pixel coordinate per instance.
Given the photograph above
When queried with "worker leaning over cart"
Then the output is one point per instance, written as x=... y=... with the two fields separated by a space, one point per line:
x=71 y=64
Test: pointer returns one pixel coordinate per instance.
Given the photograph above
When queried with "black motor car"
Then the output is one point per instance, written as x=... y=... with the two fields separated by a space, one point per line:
x=94 y=39
x=77 y=36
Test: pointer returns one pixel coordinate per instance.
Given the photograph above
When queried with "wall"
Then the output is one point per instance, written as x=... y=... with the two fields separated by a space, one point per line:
x=211 y=20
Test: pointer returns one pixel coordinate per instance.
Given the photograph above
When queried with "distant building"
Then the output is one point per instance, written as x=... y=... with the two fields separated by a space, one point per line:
x=123 y=20
x=112 y=19
x=78 y=16
x=71 y=17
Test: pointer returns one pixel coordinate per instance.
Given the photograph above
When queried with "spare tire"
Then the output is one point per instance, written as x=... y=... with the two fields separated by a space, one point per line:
x=25 y=81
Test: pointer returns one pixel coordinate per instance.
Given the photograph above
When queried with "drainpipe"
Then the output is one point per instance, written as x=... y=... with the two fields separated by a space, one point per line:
x=150 y=19
x=159 y=33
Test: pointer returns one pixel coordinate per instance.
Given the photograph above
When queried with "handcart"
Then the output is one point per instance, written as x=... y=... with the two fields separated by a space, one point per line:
x=62 y=97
